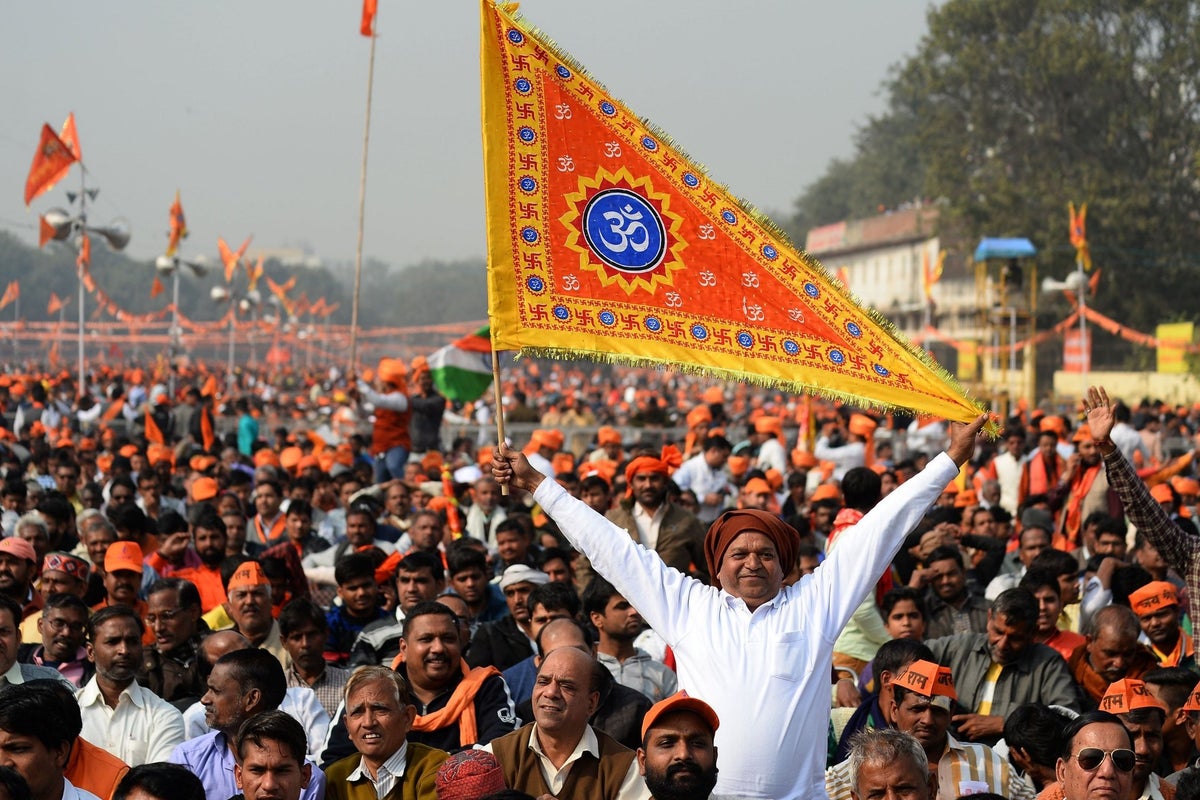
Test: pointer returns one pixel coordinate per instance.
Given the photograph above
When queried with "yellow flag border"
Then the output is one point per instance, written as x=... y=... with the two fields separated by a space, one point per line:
x=508 y=11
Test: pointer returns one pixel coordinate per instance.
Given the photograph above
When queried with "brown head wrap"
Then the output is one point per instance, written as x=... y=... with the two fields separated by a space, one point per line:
x=732 y=524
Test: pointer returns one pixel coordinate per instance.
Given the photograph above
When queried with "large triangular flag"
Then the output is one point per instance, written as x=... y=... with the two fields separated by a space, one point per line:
x=605 y=241
x=462 y=370
x=51 y=162
x=11 y=293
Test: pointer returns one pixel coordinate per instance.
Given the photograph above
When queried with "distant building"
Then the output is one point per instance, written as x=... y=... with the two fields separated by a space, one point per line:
x=287 y=256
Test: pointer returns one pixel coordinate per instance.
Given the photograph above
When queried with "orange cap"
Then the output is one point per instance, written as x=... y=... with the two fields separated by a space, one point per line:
x=966 y=498
x=392 y=370
x=290 y=457
x=562 y=462
x=738 y=465
x=928 y=680
x=1082 y=434
x=266 y=457
x=862 y=425
x=123 y=555
x=608 y=435
x=802 y=459
x=202 y=463
x=248 y=575
x=757 y=486
x=204 y=489
x=713 y=395
x=129 y=451
x=1153 y=597
x=1128 y=694
x=680 y=701
x=826 y=491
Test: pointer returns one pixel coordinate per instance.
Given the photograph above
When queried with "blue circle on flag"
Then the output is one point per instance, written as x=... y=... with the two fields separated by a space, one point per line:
x=837 y=357
x=607 y=318
x=527 y=135
x=769 y=253
x=811 y=290
x=699 y=332
x=790 y=347
x=563 y=72
x=607 y=108
x=562 y=313
x=528 y=185
x=523 y=86
x=853 y=329
x=745 y=340
x=882 y=371
x=624 y=231
x=649 y=144
x=690 y=180
x=729 y=217
x=529 y=235
x=536 y=284
x=653 y=324
x=515 y=36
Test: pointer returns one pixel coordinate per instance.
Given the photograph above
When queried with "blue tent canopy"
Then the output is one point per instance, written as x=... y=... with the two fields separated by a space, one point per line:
x=1004 y=248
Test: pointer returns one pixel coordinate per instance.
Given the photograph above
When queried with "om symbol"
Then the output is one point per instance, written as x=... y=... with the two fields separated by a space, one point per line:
x=673 y=300
x=750 y=280
x=562 y=111
x=612 y=149
x=753 y=312
x=624 y=230
x=796 y=314
x=707 y=232
x=570 y=283
x=707 y=278
x=566 y=164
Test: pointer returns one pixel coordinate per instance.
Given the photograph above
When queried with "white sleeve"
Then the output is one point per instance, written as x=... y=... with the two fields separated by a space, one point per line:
x=865 y=550
x=392 y=401
x=633 y=787
x=668 y=600
x=166 y=732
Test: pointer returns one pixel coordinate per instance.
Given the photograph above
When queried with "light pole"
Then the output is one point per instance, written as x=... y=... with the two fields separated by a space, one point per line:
x=246 y=303
x=65 y=227
x=171 y=265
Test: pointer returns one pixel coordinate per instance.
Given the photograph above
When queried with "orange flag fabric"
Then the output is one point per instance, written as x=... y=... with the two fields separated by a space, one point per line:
x=45 y=231
x=156 y=288
x=254 y=274
x=11 y=293
x=231 y=258
x=85 y=258
x=153 y=432
x=54 y=306
x=207 y=436
x=367 y=26
x=51 y=162
x=178 y=229
x=70 y=137
x=1078 y=234
x=605 y=241
x=931 y=273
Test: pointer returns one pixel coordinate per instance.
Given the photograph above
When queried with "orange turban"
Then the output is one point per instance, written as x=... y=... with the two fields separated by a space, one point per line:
x=266 y=457
x=733 y=524
x=738 y=465
x=544 y=437
x=392 y=370
x=802 y=459
x=771 y=425
x=665 y=464
x=608 y=435
x=563 y=463
x=697 y=415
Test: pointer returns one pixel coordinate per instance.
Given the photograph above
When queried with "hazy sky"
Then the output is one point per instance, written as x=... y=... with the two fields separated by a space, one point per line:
x=254 y=110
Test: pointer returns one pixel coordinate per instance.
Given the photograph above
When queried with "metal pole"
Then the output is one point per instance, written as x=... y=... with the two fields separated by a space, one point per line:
x=1012 y=338
x=174 y=338
x=81 y=267
x=1086 y=356
x=362 y=205
x=229 y=366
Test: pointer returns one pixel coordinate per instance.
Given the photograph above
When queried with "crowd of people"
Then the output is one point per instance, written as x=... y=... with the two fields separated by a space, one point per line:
x=207 y=594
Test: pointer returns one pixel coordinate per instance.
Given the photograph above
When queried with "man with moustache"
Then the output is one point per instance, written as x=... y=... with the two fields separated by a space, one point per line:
x=63 y=630
x=271 y=758
x=210 y=538
x=1096 y=762
x=677 y=758
x=170 y=667
x=120 y=715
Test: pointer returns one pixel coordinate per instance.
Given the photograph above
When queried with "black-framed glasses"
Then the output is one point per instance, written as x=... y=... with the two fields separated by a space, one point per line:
x=1090 y=758
x=58 y=625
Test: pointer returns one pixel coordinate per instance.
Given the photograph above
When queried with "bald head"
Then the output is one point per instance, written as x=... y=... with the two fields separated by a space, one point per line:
x=218 y=644
x=563 y=632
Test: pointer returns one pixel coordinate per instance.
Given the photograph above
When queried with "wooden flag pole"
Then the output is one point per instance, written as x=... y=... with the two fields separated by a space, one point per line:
x=499 y=395
x=362 y=205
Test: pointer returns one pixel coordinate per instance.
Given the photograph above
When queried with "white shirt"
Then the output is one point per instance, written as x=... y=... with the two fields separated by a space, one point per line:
x=633 y=787
x=1008 y=475
x=703 y=480
x=844 y=458
x=771 y=455
x=765 y=673
x=300 y=703
x=648 y=523
x=142 y=728
x=388 y=774
x=1129 y=441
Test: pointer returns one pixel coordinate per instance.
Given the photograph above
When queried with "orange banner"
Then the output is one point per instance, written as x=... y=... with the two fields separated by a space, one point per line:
x=51 y=162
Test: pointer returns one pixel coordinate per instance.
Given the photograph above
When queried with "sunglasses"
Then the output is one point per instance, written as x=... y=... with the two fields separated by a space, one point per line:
x=1090 y=758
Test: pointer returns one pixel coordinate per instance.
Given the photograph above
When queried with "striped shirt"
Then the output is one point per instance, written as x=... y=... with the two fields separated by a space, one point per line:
x=329 y=688
x=387 y=775
x=964 y=768
x=1178 y=549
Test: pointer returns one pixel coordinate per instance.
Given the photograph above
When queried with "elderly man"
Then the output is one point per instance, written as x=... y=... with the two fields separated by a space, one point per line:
x=62 y=573
x=887 y=763
x=120 y=715
x=271 y=758
x=776 y=639
x=1110 y=653
x=559 y=753
x=386 y=766
x=677 y=758
x=36 y=742
x=999 y=670
x=250 y=609
x=243 y=684
x=923 y=697
x=1096 y=760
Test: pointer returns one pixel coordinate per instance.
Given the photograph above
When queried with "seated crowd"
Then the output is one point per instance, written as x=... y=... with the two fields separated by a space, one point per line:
x=291 y=623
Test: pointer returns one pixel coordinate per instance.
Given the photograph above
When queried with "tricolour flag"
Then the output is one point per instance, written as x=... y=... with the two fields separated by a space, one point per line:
x=605 y=241
x=51 y=162
x=178 y=230
x=462 y=370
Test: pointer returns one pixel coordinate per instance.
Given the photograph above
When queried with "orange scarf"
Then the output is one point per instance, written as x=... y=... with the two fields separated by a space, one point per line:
x=460 y=708
x=1183 y=649
x=1039 y=477
x=1073 y=517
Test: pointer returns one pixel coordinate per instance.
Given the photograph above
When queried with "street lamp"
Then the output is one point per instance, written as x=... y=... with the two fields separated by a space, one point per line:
x=236 y=301
x=1075 y=283
x=171 y=265
x=64 y=227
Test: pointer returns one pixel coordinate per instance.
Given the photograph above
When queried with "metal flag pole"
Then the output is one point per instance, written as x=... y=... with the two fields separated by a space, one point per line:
x=362 y=202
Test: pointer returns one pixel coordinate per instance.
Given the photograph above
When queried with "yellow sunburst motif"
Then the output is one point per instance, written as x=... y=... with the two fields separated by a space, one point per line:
x=624 y=231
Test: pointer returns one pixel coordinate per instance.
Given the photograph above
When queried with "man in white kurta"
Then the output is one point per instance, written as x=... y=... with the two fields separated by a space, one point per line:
x=760 y=654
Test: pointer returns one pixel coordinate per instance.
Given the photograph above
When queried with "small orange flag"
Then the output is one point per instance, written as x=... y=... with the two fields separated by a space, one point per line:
x=45 y=231
x=54 y=306
x=70 y=137
x=209 y=389
x=178 y=230
x=85 y=256
x=206 y=426
x=254 y=273
x=156 y=288
x=153 y=432
x=231 y=258
x=367 y=27
x=11 y=293
x=50 y=163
